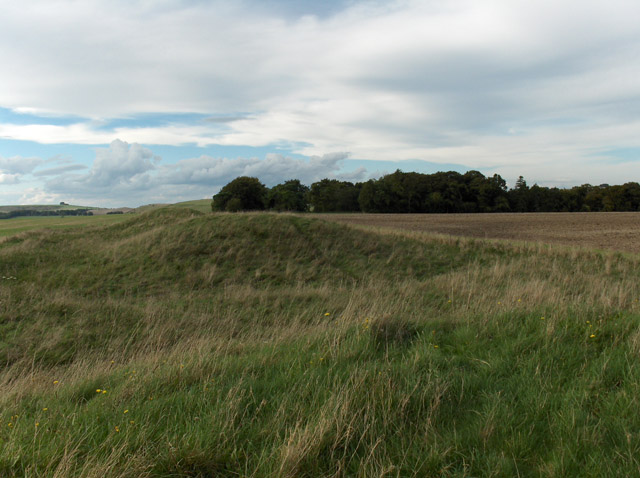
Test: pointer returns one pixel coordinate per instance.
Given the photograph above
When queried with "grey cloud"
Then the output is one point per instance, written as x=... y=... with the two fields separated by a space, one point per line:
x=224 y=119
x=18 y=165
x=271 y=170
x=59 y=170
x=120 y=166
x=121 y=161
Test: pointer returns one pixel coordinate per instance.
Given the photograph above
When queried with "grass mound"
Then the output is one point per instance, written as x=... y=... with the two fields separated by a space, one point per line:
x=92 y=289
x=177 y=343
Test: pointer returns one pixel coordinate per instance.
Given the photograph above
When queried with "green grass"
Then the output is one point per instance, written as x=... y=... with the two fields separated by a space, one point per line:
x=17 y=225
x=202 y=205
x=266 y=345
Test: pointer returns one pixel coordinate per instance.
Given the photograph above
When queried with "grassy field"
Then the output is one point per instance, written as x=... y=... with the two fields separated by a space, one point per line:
x=40 y=207
x=17 y=225
x=181 y=344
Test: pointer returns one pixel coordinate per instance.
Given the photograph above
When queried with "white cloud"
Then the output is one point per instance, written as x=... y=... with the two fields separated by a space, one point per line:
x=409 y=79
x=38 y=196
x=120 y=166
x=130 y=174
x=9 y=178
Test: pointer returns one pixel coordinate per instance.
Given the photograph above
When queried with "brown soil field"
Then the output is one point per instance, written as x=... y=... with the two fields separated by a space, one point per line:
x=618 y=231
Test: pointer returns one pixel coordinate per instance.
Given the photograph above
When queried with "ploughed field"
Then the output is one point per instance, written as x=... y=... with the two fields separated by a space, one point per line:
x=597 y=230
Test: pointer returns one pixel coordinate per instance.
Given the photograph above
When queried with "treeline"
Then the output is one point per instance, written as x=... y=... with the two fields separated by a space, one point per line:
x=36 y=212
x=442 y=192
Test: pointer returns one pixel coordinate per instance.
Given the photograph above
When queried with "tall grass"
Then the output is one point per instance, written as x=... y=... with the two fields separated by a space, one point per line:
x=267 y=345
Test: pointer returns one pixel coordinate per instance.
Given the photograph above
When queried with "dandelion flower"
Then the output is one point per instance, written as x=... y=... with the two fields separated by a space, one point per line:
x=55 y=382
x=117 y=429
x=435 y=347
x=131 y=422
x=327 y=314
x=37 y=424
x=126 y=411
x=104 y=391
x=592 y=336
x=45 y=409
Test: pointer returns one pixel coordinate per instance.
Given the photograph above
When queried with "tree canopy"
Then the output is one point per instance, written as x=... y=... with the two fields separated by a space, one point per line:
x=411 y=192
x=242 y=194
x=288 y=196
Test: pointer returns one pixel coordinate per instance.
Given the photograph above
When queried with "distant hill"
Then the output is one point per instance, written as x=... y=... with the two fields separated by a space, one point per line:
x=48 y=209
x=41 y=207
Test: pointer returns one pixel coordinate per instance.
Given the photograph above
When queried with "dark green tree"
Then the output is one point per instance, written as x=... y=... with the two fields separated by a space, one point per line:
x=519 y=197
x=288 y=196
x=242 y=194
x=331 y=195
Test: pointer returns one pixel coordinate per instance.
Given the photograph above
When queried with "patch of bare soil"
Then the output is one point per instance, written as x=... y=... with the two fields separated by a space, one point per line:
x=601 y=230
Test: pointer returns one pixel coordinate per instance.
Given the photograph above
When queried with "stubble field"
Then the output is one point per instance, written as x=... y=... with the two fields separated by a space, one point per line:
x=606 y=230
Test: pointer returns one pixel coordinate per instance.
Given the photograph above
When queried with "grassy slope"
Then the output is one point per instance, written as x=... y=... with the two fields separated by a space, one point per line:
x=276 y=345
x=203 y=205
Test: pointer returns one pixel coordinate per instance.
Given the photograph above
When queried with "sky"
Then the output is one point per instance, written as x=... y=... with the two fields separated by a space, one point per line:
x=123 y=103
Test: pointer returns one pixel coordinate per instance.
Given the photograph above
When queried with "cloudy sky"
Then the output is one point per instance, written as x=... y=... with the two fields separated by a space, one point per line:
x=113 y=103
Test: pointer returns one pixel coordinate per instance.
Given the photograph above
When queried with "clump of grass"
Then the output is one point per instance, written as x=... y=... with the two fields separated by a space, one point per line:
x=392 y=331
